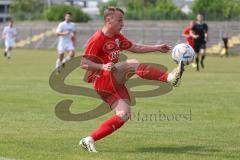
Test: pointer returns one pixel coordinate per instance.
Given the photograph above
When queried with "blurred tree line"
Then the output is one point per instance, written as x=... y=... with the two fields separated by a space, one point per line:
x=218 y=9
x=166 y=10
x=152 y=9
x=39 y=10
x=134 y=9
x=147 y=9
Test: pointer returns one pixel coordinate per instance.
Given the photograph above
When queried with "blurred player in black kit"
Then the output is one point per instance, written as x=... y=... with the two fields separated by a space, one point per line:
x=200 y=29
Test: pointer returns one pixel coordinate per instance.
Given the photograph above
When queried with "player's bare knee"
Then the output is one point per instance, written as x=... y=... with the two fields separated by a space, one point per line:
x=61 y=56
x=133 y=63
x=125 y=116
x=72 y=54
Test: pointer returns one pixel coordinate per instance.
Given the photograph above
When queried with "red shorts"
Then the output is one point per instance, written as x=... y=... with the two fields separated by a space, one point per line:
x=109 y=90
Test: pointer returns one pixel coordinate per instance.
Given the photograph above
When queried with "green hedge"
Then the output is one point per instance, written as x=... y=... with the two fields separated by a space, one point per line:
x=27 y=9
x=56 y=13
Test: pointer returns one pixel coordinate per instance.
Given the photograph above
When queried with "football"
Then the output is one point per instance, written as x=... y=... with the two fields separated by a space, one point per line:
x=183 y=52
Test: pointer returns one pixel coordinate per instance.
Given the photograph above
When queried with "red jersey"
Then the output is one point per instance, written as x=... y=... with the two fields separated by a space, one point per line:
x=102 y=49
x=190 y=40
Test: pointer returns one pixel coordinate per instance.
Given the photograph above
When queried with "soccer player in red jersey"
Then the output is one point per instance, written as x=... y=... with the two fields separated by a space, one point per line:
x=188 y=34
x=109 y=76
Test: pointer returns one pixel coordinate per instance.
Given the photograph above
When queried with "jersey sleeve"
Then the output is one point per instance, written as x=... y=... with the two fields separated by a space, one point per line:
x=4 y=31
x=59 y=28
x=93 y=48
x=124 y=42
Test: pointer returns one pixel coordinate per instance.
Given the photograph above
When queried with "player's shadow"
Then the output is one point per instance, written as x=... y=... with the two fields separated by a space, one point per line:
x=178 y=149
x=191 y=150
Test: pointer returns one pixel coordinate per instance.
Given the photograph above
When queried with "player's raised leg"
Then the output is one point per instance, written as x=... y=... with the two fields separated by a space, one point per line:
x=146 y=71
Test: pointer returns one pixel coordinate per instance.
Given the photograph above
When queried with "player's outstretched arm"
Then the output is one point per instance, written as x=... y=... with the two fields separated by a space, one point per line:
x=141 y=48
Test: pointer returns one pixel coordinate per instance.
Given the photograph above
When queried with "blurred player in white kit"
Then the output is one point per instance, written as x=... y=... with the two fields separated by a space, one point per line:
x=9 y=35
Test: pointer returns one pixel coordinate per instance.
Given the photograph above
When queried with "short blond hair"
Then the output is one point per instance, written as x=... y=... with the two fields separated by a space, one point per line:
x=110 y=11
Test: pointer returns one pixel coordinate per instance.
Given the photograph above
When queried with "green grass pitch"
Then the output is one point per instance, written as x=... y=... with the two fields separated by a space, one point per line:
x=29 y=129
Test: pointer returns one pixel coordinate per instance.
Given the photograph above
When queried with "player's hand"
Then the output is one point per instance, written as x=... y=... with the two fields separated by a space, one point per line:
x=195 y=36
x=108 y=67
x=206 y=37
x=164 y=48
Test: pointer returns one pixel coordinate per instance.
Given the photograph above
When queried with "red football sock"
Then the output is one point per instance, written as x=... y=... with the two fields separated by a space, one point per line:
x=151 y=73
x=107 y=127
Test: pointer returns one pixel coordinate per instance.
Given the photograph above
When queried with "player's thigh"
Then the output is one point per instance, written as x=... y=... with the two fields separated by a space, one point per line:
x=10 y=44
x=61 y=48
x=203 y=49
x=202 y=52
x=124 y=70
x=6 y=43
x=70 y=49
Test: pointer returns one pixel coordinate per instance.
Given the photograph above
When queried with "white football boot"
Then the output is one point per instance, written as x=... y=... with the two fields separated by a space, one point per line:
x=88 y=144
x=176 y=75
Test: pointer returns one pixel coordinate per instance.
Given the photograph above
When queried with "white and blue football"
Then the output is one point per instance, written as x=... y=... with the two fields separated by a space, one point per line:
x=183 y=52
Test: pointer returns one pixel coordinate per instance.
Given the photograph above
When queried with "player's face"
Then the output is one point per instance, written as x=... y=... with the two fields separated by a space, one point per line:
x=199 y=17
x=67 y=17
x=10 y=23
x=116 y=22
